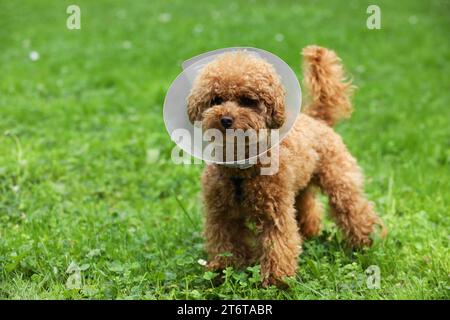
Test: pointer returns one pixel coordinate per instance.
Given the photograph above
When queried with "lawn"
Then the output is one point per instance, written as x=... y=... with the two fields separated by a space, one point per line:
x=91 y=205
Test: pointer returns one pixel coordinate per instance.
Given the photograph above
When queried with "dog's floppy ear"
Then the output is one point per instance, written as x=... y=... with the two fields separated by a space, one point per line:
x=275 y=103
x=193 y=110
x=195 y=103
x=278 y=110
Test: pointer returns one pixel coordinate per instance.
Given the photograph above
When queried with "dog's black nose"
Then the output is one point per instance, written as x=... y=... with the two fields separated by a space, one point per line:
x=226 y=122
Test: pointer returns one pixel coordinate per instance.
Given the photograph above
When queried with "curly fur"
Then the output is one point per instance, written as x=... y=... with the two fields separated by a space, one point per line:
x=324 y=78
x=231 y=76
x=283 y=207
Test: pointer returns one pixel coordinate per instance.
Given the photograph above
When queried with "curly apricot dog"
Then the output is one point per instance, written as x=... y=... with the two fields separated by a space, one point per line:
x=265 y=217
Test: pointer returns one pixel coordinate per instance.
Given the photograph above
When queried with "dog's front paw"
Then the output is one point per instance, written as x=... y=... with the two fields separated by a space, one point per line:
x=278 y=282
x=360 y=242
x=217 y=264
x=214 y=266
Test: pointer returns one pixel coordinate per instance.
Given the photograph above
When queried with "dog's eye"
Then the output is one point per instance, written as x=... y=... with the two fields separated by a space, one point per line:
x=216 y=101
x=248 y=102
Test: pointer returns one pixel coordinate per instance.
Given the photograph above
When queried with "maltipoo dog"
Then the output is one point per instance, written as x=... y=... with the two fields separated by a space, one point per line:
x=251 y=218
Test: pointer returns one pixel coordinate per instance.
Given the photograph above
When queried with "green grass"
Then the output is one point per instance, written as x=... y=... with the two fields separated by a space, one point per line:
x=85 y=172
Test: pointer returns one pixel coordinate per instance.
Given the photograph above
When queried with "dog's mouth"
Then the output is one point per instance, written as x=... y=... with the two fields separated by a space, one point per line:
x=232 y=131
x=243 y=134
x=237 y=144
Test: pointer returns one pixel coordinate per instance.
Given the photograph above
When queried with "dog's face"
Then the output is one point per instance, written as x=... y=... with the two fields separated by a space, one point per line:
x=237 y=91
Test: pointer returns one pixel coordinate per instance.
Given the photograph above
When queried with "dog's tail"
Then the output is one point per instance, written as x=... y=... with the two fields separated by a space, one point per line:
x=329 y=91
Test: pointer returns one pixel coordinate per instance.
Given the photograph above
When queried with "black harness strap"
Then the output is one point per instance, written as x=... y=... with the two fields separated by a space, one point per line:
x=238 y=191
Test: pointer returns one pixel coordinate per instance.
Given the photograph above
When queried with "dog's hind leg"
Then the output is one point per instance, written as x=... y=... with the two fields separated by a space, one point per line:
x=341 y=179
x=309 y=212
